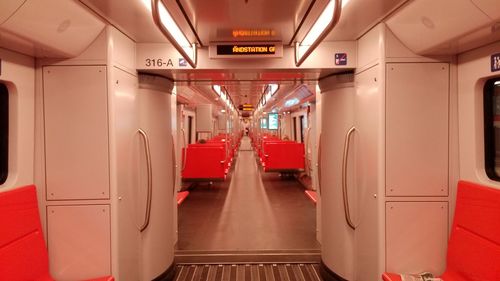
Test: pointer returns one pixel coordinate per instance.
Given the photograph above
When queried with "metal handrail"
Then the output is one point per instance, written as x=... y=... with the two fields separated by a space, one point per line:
x=329 y=27
x=174 y=164
x=150 y=182
x=306 y=145
x=344 y=178
x=156 y=19
x=319 y=164
x=184 y=160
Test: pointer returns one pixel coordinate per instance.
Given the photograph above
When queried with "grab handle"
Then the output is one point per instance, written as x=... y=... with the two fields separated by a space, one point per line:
x=344 y=178
x=185 y=149
x=150 y=182
x=319 y=164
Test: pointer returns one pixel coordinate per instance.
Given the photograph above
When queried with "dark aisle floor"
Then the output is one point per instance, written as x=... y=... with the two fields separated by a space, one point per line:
x=247 y=213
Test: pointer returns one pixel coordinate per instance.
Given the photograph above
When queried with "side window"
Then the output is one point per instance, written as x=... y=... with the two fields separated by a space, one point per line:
x=4 y=133
x=492 y=128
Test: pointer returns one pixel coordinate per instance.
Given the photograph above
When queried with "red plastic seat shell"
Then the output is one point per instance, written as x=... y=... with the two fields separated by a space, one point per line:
x=474 y=246
x=205 y=161
x=282 y=155
x=23 y=254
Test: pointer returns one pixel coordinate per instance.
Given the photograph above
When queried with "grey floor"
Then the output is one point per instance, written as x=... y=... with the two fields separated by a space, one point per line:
x=250 y=211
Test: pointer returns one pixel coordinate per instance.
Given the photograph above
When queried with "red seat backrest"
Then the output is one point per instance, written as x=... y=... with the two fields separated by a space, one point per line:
x=474 y=246
x=204 y=162
x=23 y=254
x=283 y=155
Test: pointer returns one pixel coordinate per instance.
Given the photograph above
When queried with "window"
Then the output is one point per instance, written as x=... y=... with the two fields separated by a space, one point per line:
x=492 y=128
x=295 y=128
x=4 y=133
x=303 y=126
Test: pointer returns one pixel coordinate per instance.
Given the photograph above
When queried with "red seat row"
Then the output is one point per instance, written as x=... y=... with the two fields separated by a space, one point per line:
x=278 y=155
x=23 y=254
x=282 y=156
x=474 y=246
x=208 y=161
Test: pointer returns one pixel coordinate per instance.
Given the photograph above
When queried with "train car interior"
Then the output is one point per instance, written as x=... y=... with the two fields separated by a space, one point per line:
x=284 y=140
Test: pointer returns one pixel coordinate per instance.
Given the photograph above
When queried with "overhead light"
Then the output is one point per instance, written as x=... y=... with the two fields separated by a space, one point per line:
x=223 y=110
x=273 y=88
x=217 y=89
x=497 y=83
x=291 y=102
x=167 y=25
x=323 y=25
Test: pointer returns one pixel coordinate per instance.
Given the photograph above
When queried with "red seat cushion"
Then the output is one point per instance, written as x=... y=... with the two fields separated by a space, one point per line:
x=23 y=254
x=474 y=245
x=22 y=247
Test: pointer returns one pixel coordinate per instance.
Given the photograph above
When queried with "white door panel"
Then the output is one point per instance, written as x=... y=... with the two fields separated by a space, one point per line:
x=155 y=120
x=338 y=238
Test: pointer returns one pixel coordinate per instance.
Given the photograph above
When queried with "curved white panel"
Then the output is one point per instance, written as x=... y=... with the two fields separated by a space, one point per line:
x=489 y=7
x=56 y=27
x=7 y=8
x=422 y=27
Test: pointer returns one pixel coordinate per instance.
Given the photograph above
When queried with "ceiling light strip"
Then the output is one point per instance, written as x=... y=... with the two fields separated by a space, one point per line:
x=320 y=29
x=170 y=29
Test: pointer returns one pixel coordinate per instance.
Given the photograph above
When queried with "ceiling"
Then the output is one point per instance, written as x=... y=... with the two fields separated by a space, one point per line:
x=206 y=21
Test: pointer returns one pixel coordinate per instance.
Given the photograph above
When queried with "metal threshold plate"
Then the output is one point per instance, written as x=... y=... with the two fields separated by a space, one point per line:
x=249 y=272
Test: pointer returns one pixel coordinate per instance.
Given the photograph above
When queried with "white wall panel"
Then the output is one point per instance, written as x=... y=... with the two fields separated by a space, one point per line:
x=370 y=47
x=366 y=190
x=125 y=151
x=79 y=240
x=76 y=132
x=417 y=129
x=416 y=235
x=18 y=74
x=204 y=120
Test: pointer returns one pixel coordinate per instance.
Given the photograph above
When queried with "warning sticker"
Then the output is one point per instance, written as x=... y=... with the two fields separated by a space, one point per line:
x=340 y=59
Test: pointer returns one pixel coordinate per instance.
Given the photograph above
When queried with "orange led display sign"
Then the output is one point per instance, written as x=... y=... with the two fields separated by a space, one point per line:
x=253 y=33
x=246 y=107
x=245 y=49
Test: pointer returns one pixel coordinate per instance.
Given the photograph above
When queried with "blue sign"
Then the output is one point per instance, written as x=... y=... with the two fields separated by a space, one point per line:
x=340 y=59
x=495 y=62
x=182 y=62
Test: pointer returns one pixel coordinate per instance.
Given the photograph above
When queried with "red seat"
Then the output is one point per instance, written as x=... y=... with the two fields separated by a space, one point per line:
x=205 y=162
x=282 y=156
x=474 y=245
x=23 y=254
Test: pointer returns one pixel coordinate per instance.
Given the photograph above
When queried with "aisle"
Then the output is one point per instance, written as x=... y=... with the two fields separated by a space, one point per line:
x=248 y=214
